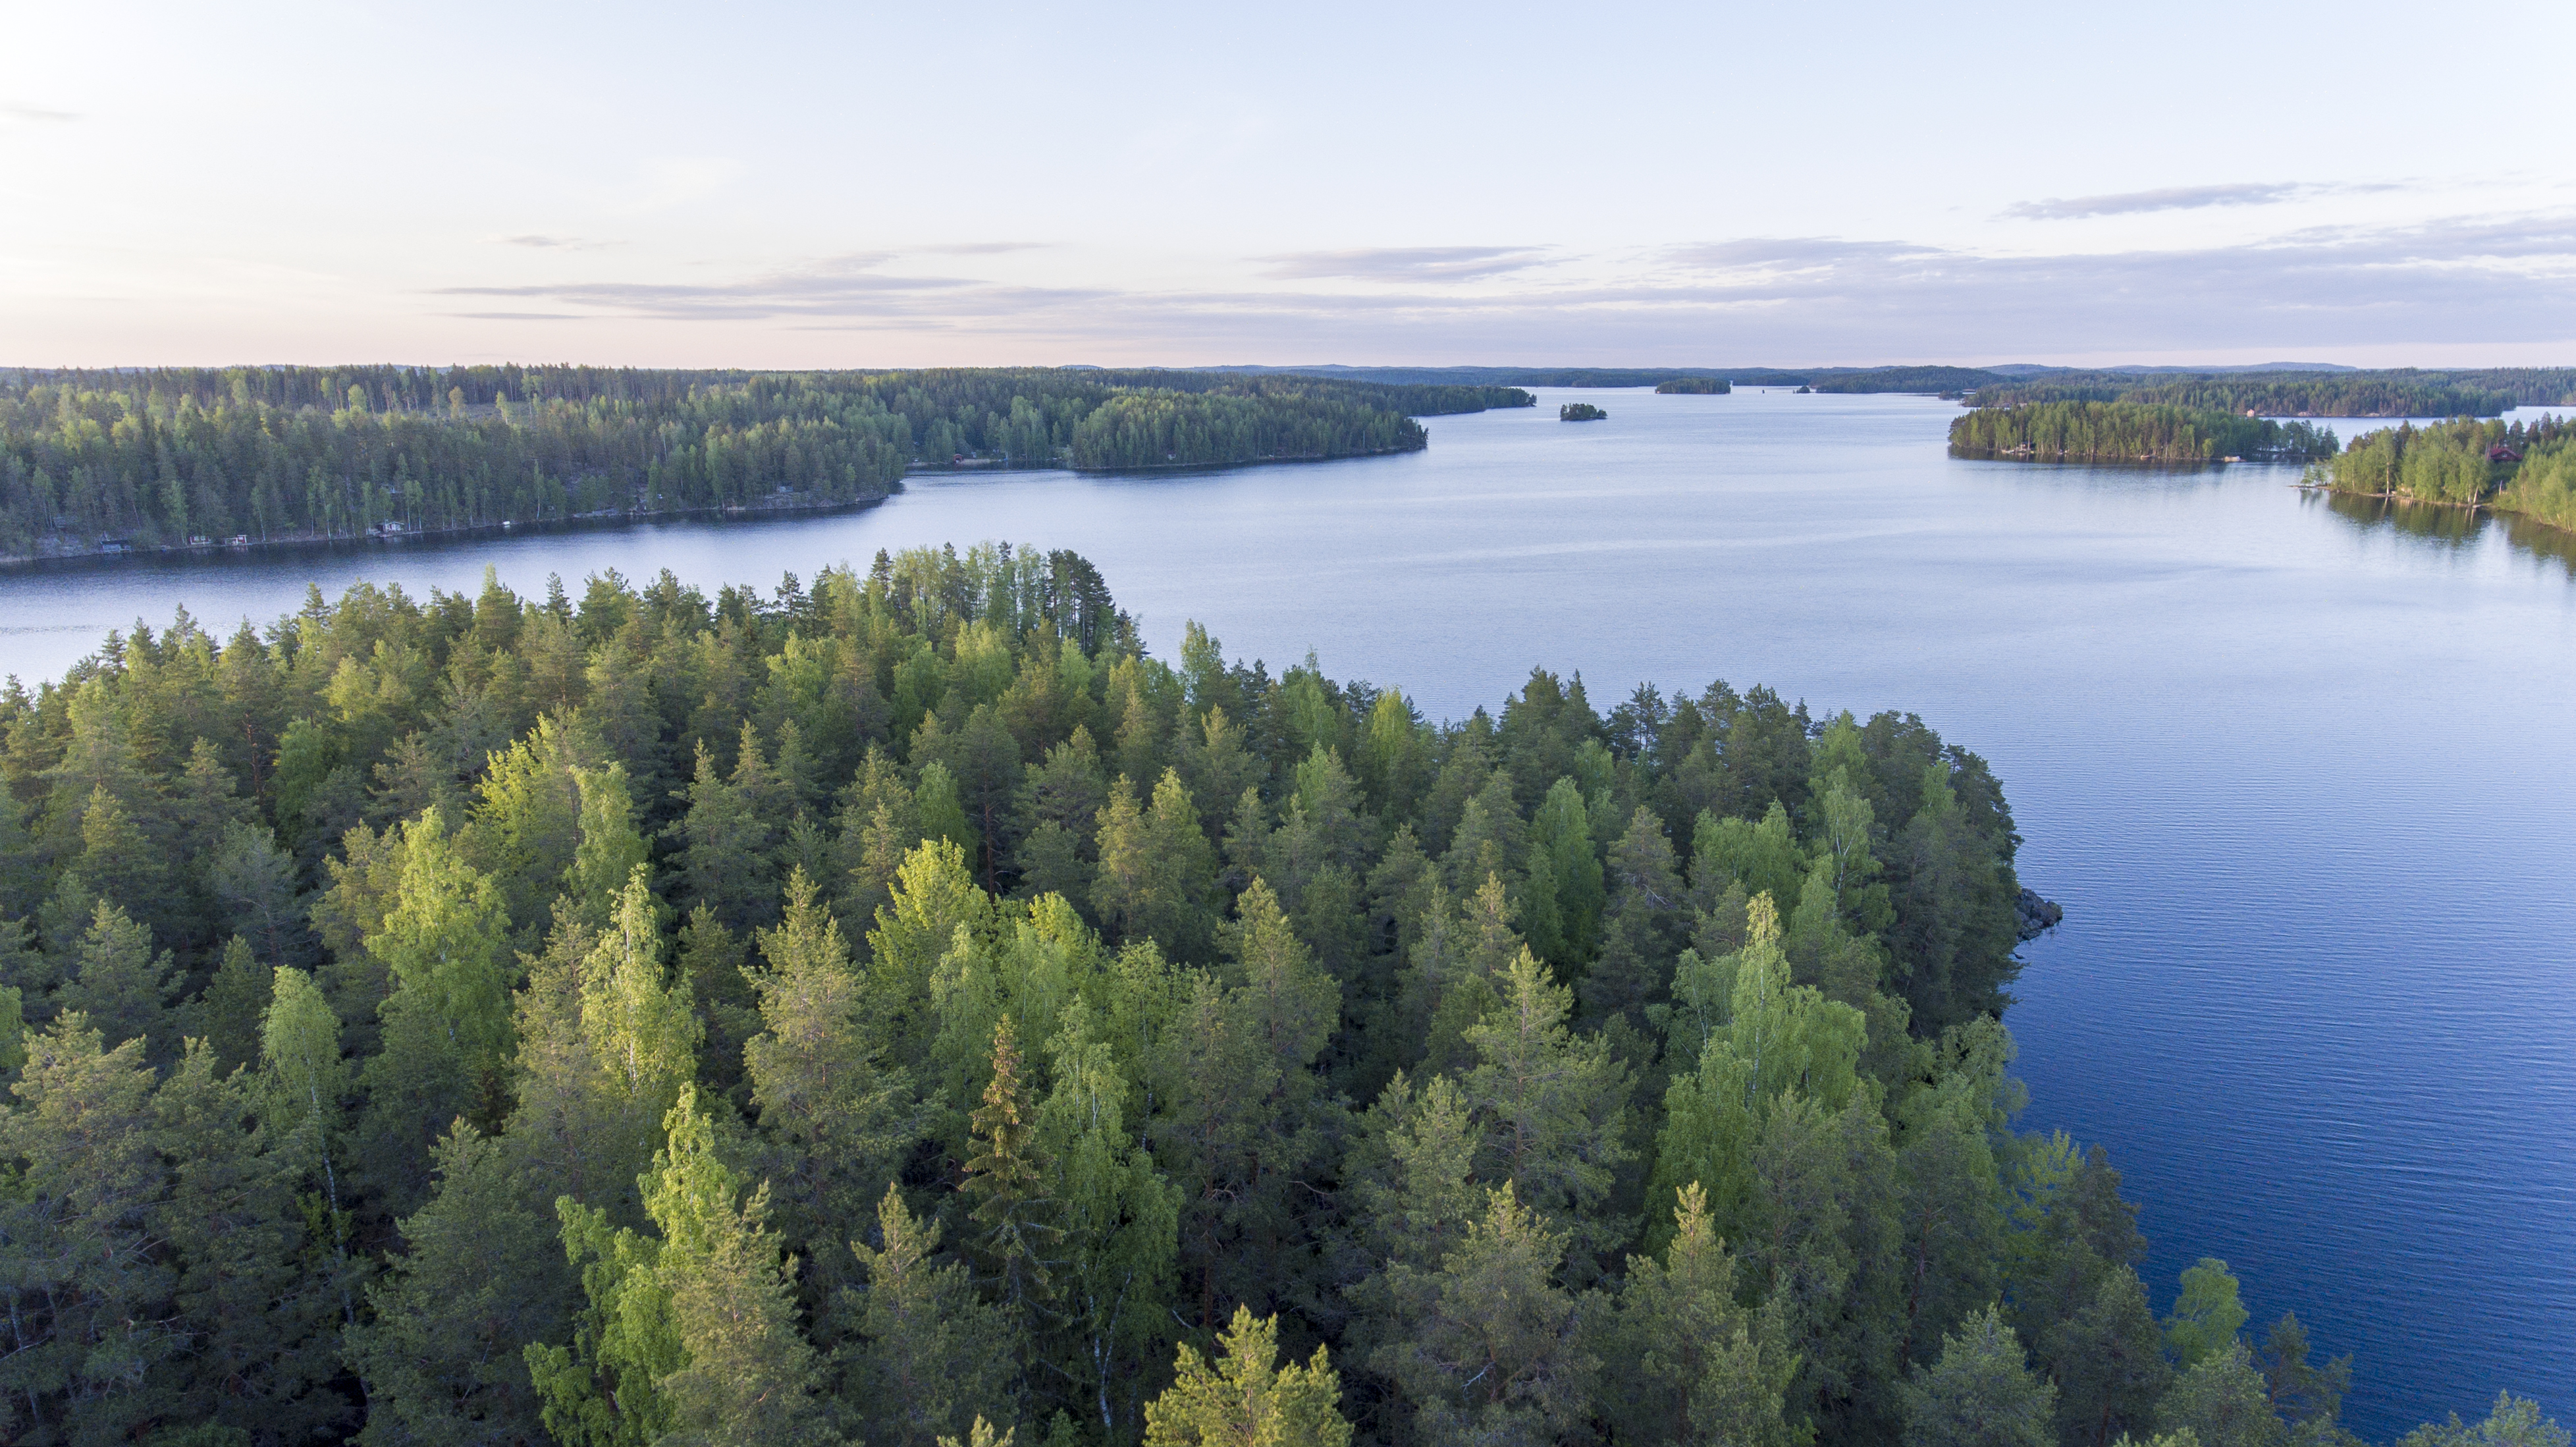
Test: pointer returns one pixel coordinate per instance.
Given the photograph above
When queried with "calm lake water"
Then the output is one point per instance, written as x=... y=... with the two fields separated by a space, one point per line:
x=2299 y=776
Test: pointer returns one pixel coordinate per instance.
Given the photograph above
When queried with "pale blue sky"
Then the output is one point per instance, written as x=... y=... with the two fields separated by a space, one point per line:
x=810 y=185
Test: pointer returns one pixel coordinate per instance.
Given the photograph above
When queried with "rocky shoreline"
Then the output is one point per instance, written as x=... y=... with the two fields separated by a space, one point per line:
x=2034 y=916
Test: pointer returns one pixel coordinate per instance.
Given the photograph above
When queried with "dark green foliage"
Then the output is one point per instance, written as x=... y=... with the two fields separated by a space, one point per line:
x=895 y=1001
x=2528 y=468
x=1694 y=386
x=2402 y=392
x=167 y=456
x=1945 y=380
x=2127 y=432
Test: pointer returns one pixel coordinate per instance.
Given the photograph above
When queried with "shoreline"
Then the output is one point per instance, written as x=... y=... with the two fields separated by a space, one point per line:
x=513 y=528
x=628 y=517
x=2483 y=505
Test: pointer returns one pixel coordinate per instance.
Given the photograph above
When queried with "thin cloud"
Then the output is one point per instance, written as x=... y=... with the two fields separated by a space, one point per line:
x=1403 y=263
x=2171 y=198
x=519 y=316
x=981 y=248
x=544 y=242
x=2494 y=280
x=36 y=114
x=841 y=287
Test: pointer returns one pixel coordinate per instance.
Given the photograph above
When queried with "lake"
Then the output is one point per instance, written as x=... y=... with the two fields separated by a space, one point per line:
x=2297 y=771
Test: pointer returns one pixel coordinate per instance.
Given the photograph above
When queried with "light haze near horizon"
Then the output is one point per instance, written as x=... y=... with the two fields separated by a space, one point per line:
x=784 y=185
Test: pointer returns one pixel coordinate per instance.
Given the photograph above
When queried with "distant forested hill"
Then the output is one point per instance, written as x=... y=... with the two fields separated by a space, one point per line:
x=1823 y=379
x=1911 y=379
x=162 y=456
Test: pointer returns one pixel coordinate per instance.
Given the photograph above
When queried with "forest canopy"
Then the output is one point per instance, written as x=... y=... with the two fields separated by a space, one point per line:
x=898 y=1009
x=2526 y=468
x=2402 y=392
x=2127 y=432
x=161 y=457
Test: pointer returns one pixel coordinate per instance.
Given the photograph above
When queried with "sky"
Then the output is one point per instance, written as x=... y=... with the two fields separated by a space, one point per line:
x=1707 y=184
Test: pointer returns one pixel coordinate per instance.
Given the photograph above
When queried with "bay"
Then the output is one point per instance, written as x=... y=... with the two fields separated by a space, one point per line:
x=2295 y=769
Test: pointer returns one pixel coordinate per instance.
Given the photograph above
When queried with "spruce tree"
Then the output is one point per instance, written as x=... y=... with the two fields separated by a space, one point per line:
x=1006 y=1178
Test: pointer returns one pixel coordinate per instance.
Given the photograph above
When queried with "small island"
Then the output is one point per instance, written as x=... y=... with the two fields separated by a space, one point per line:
x=1695 y=387
x=1579 y=412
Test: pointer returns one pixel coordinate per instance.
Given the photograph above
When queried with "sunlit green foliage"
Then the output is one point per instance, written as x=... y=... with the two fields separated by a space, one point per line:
x=899 y=1010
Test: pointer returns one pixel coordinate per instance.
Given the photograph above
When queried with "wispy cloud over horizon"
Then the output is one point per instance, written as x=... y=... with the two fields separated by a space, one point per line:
x=1403 y=263
x=542 y=242
x=2463 y=279
x=2170 y=198
x=16 y=111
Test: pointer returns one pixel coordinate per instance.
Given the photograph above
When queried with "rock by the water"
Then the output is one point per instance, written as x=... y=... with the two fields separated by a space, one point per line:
x=2035 y=916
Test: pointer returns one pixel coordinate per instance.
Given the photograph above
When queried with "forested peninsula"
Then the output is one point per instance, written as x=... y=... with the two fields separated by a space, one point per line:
x=180 y=457
x=2524 y=468
x=2128 y=432
x=896 y=1009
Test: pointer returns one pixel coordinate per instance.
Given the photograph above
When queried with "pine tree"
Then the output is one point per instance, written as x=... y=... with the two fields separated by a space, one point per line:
x=1981 y=1393
x=749 y=1376
x=1685 y=1363
x=479 y=1275
x=1646 y=925
x=86 y=1291
x=1249 y=1400
x=226 y=1014
x=933 y=1353
x=830 y=1116
x=2221 y=1402
x=1553 y=1107
x=1489 y=1347
x=121 y=985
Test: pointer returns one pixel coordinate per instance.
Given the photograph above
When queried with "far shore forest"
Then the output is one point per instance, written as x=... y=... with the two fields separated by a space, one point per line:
x=111 y=460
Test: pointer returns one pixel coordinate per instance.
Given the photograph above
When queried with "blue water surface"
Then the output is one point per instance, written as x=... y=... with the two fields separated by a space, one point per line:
x=2299 y=773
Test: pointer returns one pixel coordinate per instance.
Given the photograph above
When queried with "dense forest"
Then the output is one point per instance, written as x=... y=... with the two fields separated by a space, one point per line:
x=898 y=1010
x=1949 y=381
x=2404 y=392
x=1694 y=387
x=1580 y=412
x=2526 y=468
x=2128 y=432
x=164 y=457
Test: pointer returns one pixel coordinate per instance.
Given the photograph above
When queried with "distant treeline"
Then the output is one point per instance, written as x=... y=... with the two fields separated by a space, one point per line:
x=159 y=457
x=2528 y=469
x=2127 y=432
x=2401 y=393
x=1912 y=379
x=1695 y=387
x=1823 y=379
